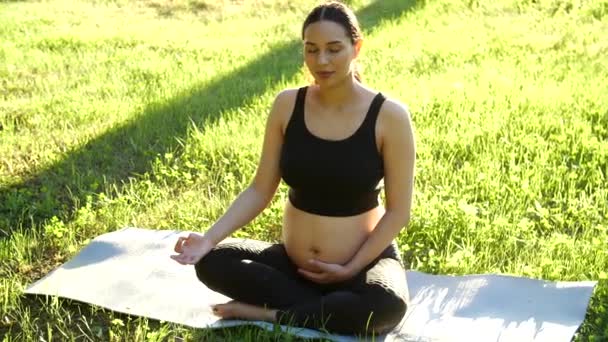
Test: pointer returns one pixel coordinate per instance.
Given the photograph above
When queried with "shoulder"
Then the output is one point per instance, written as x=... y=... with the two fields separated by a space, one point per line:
x=394 y=117
x=391 y=111
x=286 y=97
x=284 y=102
x=282 y=107
x=394 y=128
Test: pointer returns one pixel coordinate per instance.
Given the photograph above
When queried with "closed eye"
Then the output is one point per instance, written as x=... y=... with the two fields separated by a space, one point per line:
x=317 y=50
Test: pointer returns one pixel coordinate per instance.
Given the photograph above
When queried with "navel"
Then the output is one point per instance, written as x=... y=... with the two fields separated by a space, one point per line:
x=314 y=250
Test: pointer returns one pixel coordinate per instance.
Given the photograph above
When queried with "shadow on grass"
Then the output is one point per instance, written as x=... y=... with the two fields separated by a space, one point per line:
x=127 y=150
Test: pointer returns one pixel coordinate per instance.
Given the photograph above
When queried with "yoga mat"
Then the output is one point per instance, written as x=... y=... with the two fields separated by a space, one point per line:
x=130 y=271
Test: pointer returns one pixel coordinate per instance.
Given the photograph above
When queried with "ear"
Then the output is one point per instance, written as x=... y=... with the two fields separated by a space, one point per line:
x=357 y=46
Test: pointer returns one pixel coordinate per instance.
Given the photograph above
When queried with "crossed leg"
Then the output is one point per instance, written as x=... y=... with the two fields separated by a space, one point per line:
x=265 y=285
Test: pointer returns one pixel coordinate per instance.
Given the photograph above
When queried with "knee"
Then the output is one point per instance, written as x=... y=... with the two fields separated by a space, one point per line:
x=388 y=309
x=394 y=307
x=208 y=269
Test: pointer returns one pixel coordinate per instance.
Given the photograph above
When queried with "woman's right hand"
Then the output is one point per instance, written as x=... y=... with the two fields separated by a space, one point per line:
x=191 y=249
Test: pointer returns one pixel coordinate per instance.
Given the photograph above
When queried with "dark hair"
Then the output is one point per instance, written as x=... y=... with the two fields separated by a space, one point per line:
x=340 y=14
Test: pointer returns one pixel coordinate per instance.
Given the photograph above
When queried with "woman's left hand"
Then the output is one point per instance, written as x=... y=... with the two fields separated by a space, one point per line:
x=328 y=273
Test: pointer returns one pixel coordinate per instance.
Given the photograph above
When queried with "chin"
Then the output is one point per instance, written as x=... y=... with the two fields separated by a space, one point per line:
x=335 y=79
x=329 y=83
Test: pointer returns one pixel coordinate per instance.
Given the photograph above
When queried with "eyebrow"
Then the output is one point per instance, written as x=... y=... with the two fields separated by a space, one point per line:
x=329 y=43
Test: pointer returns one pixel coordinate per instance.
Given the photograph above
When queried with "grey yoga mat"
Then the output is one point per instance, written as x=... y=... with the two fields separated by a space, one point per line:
x=130 y=271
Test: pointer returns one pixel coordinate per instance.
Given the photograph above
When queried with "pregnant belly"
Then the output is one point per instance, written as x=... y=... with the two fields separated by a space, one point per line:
x=329 y=239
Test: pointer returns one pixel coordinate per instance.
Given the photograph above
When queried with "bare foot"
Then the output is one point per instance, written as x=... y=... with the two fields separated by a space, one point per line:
x=235 y=309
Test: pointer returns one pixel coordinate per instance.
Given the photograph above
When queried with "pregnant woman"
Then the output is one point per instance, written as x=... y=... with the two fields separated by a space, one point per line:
x=337 y=144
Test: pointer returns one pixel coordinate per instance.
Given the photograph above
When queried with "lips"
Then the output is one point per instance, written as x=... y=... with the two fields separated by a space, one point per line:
x=325 y=74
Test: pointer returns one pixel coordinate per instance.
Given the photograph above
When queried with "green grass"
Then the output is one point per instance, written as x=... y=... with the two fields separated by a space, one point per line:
x=150 y=114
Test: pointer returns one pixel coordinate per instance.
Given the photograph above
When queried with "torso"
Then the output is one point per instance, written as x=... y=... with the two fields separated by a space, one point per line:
x=328 y=238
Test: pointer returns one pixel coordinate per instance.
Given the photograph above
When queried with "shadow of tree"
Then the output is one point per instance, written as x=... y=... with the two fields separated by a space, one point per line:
x=127 y=150
x=489 y=302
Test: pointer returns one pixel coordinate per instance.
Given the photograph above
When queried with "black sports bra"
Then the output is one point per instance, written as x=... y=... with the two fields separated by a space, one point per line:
x=332 y=177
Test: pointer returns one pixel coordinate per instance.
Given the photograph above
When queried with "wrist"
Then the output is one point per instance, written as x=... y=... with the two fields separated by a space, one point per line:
x=209 y=242
x=211 y=236
x=352 y=269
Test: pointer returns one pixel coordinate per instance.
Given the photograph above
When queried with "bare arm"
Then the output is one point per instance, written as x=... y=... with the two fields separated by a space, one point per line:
x=399 y=154
x=255 y=198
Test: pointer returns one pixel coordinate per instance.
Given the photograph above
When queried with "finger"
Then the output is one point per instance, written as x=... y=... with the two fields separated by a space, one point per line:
x=191 y=260
x=192 y=237
x=185 y=259
x=317 y=263
x=312 y=275
x=322 y=265
x=178 y=244
x=178 y=259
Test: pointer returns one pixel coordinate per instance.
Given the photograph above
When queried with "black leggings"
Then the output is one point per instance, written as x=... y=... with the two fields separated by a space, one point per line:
x=260 y=273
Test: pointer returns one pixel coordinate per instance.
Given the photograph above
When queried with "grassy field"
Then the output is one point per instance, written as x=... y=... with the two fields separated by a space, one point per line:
x=150 y=114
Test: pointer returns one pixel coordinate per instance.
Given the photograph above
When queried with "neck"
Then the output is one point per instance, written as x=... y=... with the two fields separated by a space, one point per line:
x=338 y=94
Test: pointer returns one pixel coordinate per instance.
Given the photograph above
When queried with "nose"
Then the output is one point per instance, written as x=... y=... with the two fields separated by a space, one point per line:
x=322 y=58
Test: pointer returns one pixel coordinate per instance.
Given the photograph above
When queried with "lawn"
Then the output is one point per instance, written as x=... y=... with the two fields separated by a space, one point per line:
x=151 y=114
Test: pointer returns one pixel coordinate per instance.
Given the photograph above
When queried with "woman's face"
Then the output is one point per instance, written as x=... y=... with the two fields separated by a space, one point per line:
x=328 y=52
